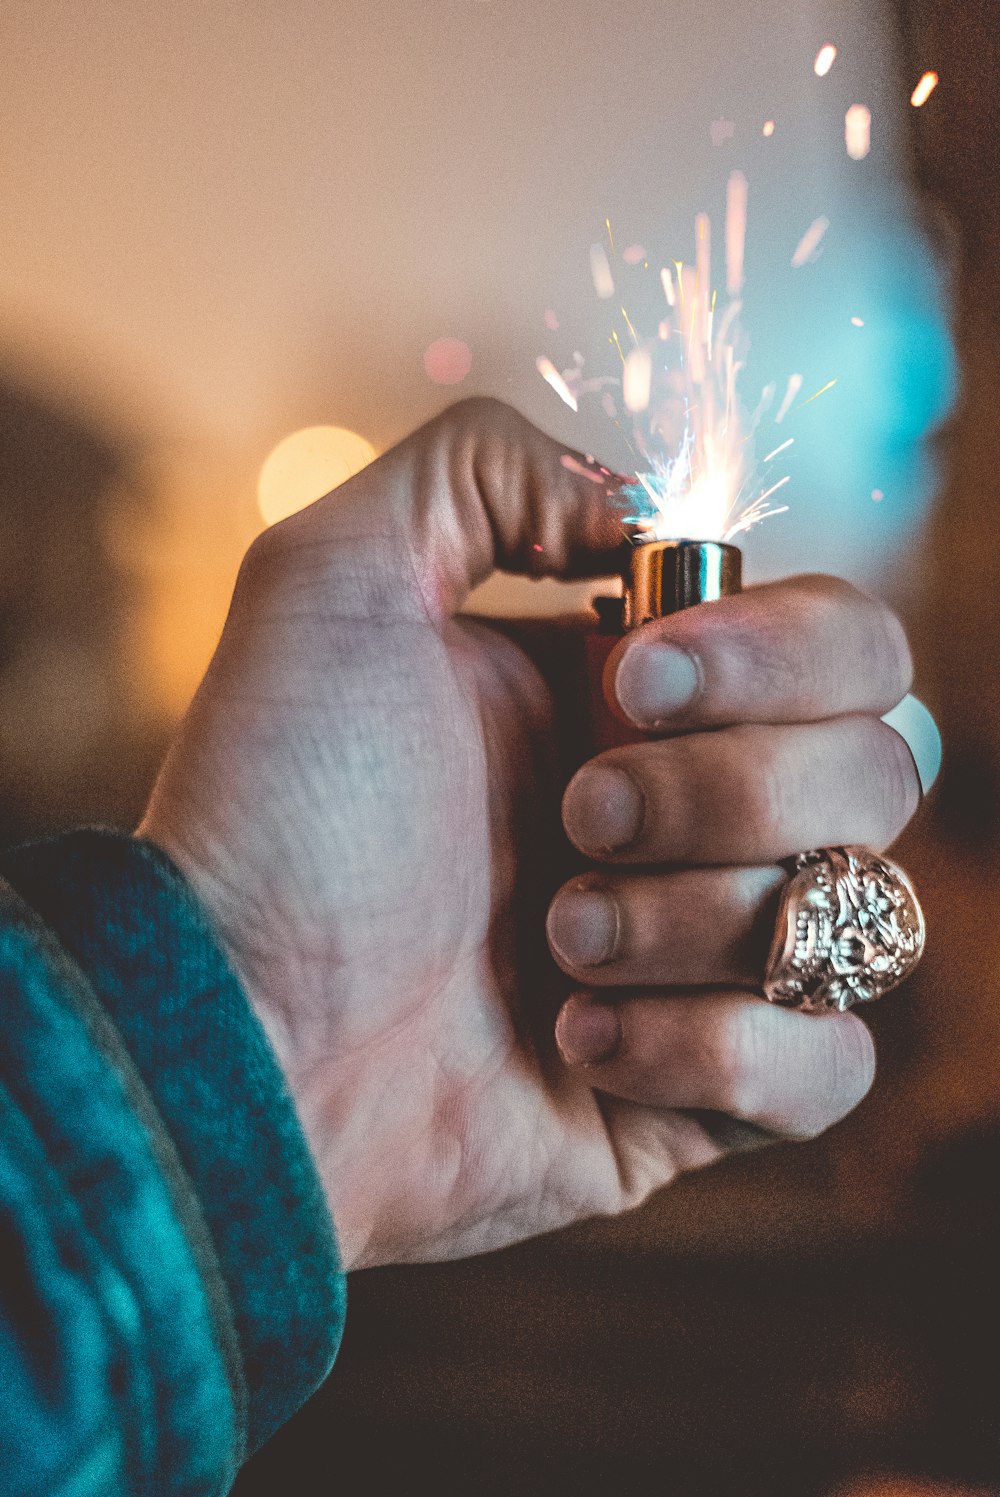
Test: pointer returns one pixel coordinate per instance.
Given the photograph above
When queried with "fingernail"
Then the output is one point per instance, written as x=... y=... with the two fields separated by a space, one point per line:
x=654 y=681
x=603 y=810
x=587 y=1032
x=583 y=926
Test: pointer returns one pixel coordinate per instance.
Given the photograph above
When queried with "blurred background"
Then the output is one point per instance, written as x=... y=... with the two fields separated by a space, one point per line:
x=245 y=249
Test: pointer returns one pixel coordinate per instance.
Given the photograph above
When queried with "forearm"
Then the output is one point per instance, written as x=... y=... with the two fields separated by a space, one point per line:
x=173 y=1292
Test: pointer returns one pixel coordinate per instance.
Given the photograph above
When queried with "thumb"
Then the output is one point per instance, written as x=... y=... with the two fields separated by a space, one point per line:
x=478 y=488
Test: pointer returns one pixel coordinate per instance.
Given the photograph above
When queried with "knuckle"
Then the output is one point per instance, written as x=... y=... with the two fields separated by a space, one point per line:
x=826 y=605
x=793 y=639
x=820 y=602
x=481 y=413
x=898 y=655
x=765 y=795
x=261 y=560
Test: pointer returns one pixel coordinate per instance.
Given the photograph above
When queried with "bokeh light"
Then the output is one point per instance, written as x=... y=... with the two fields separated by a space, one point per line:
x=824 y=60
x=447 y=361
x=306 y=465
x=924 y=89
x=858 y=131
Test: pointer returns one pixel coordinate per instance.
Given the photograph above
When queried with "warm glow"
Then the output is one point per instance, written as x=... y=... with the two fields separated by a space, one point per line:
x=924 y=89
x=306 y=465
x=824 y=60
x=768 y=128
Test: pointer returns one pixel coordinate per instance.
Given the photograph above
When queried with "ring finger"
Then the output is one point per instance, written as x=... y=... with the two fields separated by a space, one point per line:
x=691 y=928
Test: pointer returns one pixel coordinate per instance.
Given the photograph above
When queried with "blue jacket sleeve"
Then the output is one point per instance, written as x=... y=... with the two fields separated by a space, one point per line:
x=169 y=1291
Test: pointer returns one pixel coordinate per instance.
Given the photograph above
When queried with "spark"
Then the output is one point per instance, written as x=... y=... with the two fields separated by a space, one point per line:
x=810 y=242
x=924 y=89
x=764 y=404
x=574 y=465
x=768 y=129
x=600 y=269
x=736 y=230
x=758 y=510
x=824 y=60
x=637 y=380
x=828 y=386
x=692 y=441
x=793 y=388
x=550 y=374
x=858 y=131
x=628 y=324
x=857 y=322
x=611 y=237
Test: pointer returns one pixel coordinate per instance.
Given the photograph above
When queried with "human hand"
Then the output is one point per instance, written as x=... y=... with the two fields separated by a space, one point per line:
x=364 y=794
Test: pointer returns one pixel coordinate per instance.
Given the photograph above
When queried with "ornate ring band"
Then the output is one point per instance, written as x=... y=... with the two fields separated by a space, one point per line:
x=849 y=930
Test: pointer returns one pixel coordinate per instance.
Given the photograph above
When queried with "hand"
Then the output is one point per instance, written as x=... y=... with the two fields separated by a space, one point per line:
x=364 y=794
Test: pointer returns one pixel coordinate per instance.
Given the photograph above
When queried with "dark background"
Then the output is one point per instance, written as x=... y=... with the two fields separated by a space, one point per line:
x=854 y=1328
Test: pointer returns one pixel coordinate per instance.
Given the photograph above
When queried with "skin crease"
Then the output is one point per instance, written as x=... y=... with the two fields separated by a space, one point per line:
x=365 y=794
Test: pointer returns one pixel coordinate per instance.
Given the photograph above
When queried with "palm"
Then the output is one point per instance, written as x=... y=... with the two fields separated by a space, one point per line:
x=366 y=796
x=392 y=801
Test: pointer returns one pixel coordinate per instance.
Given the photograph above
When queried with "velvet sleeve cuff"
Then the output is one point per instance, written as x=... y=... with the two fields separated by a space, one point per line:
x=126 y=916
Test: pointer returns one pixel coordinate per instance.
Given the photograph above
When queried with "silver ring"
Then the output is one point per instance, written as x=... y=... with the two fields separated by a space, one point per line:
x=849 y=930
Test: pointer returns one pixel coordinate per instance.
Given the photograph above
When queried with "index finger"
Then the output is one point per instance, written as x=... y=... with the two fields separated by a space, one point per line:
x=796 y=651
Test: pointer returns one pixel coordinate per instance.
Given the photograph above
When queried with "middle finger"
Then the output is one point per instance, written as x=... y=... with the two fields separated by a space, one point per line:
x=750 y=795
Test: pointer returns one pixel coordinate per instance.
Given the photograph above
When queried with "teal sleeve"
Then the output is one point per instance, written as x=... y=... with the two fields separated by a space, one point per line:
x=171 y=1291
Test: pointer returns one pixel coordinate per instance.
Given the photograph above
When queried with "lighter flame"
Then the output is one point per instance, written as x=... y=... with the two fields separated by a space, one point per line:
x=924 y=89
